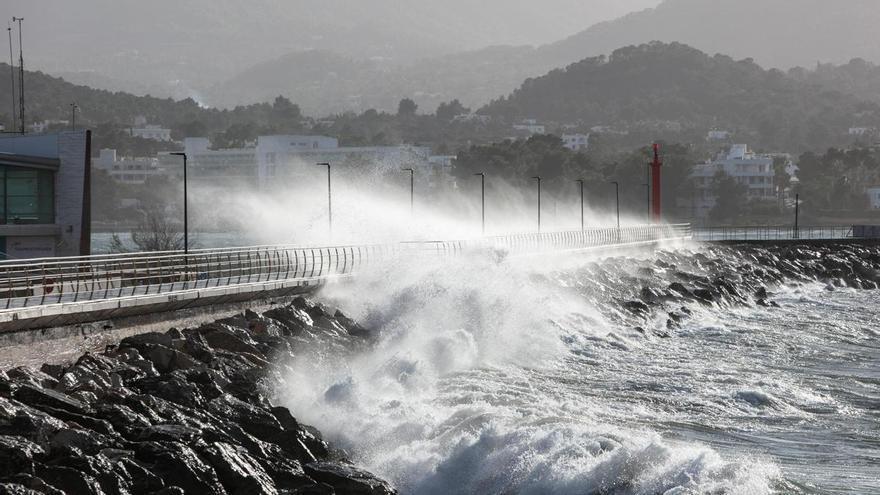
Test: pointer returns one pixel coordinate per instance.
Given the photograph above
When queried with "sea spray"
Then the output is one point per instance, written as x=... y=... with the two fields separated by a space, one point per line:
x=475 y=383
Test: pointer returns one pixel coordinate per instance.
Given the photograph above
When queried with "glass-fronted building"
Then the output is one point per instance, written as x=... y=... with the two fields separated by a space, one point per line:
x=44 y=184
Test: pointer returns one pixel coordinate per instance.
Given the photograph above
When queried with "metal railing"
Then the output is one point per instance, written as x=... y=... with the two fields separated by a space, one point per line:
x=47 y=281
x=771 y=233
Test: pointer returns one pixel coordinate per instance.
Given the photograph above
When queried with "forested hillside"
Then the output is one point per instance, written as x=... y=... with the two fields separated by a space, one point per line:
x=676 y=85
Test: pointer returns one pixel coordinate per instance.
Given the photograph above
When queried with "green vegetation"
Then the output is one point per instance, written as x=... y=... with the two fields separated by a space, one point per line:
x=835 y=182
x=674 y=86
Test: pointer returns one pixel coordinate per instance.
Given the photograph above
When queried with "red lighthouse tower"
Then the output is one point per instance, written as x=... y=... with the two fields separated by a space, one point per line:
x=655 y=184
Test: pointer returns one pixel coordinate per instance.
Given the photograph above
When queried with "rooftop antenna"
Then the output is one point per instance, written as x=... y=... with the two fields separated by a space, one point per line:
x=20 y=75
x=12 y=75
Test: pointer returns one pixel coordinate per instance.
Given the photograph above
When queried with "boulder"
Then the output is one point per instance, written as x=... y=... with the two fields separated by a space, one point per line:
x=38 y=485
x=143 y=340
x=35 y=378
x=352 y=327
x=347 y=479
x=180 y=466
x=16 y=489
x=254 y=420
x=68 y=480
x=222 y=338
x=170 y=433
x=83 y=440
x=38 y=397
x=636 y=307
x=141 y=479
x=238 y=471
x=17 y=454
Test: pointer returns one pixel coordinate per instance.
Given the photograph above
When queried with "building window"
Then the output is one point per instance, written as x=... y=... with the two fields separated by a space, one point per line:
x=27 y=197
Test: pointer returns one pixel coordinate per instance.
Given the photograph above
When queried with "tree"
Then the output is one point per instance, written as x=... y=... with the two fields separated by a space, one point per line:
x=407 y=107
x=730 y=198
x=448 y=111
x=105 y=202
x=157 y=232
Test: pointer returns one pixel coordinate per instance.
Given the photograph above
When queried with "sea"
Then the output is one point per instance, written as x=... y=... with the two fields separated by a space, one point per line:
x=499 y=375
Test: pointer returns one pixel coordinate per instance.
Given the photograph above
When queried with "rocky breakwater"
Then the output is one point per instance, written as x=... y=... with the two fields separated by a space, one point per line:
x=739 y=275
x=177 y=412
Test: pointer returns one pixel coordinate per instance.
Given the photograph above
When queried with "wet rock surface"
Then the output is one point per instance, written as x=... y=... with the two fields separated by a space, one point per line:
x=186 y=411
x=725 y=276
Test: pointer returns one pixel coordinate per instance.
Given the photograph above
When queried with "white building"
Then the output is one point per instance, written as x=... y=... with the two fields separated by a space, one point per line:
x=718 y=135
x=154 y=132
x=753 y=171
x=576 y=142
x=46 y=125
x=530 y=126
x=128 y=170
x=873 y=197
x=860 y=131
x=283 y=157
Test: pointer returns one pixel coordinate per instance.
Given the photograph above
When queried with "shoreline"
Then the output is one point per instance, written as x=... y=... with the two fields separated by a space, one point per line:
x=176 y=412
x=191 y=410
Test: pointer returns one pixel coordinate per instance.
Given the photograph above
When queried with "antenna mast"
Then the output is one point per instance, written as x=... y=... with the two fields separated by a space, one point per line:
x=20 y=75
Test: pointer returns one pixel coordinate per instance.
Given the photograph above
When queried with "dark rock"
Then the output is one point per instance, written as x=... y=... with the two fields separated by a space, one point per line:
x=26 y=375
x=37 y=397
x=38 y=485
x=169 y=433
x=122 y=417
x=87 y=421
x=352 y=327
x=101 y=469
x=68 y=479
x=196 y=346
x=291 y=321
x=145 y=340
x=140 y=478
x=761 y=293
x=256 y=421
x=174 y=388
x=180 y=465
x=166 y=359
x=33 y=425
x=221 y=338
x=285 y=419
x=170 y=490
x=704 y=295
x=16 y=489
x=681 y=290
x=636 y=307
x=17 y=454
x=238 y=471
x=347 y=479
x=82 y=440
x=53 y=370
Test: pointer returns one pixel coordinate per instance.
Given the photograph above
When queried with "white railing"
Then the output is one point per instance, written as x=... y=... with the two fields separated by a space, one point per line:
x=51 y=281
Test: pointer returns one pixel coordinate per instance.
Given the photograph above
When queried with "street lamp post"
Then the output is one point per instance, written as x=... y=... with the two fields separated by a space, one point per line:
x=329 y=198
x=538 y=178
x=797 y=204
x=617 y=201
x=581 y=182
x=73 y=109
x=185 y=204
x=412 y=190
x=20 y=75
x=483 y=199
